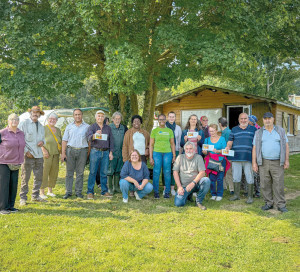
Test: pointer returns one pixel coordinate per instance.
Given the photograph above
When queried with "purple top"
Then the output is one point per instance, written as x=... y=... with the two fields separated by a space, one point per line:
x=100 y=143
x=12 y=146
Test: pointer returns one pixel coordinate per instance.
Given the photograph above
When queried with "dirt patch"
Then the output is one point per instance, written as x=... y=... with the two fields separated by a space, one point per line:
x=292 y=195
x=283 y=240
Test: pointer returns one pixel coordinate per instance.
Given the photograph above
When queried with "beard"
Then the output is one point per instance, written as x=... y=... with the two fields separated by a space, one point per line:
x=190 y=155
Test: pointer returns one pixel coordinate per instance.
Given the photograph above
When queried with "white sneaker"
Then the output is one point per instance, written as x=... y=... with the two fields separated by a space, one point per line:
x=43 y=197
x=219 y=198
x=164 y=192
x=22 y=202
x=51 y=194
x=213 y=198
x=125 y=200
x=173 y=192
x=137 y=196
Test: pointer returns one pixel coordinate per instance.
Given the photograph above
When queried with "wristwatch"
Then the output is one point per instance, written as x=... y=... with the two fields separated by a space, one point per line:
x=194 y=182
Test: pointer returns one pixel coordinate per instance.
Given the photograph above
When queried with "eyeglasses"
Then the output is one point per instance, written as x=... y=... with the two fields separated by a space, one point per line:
x=162 y=120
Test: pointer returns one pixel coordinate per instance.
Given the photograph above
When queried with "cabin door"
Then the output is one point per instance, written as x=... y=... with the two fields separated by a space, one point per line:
x=233 y=113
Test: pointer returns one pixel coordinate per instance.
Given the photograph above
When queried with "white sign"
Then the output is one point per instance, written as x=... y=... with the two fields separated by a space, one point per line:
x=227 y=153
x=102 y=137
x=191 y=134
x=208 y=147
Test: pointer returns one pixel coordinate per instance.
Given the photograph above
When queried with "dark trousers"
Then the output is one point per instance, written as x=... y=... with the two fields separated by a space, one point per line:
x=8 y=187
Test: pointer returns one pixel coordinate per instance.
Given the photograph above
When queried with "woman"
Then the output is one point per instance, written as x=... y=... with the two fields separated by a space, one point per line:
x=216 y=177
x=162 y=154
x=192 y=126
x=51 y=152
x=12 y=144
x=135 y=177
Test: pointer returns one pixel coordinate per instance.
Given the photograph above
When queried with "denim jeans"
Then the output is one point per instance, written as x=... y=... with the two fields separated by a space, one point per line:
x=216 y=182
x=162 y=160
x=97 y=158
x=202 y=187
x=125 y=186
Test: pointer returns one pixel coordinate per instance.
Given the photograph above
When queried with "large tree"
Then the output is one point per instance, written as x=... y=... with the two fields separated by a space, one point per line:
x=137 y=47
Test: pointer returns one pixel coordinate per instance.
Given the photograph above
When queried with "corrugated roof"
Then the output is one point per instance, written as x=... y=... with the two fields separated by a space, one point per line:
x=214 y=88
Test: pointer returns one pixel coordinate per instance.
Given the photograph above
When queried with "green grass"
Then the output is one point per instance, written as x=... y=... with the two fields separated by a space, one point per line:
x=107 y=235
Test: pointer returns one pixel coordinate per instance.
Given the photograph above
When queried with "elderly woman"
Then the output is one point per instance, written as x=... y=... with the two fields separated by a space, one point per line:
x=51 y=152
x=135 y=177
x=12 y=144
x=216 y=176
x=162 y=154
x=193 y=133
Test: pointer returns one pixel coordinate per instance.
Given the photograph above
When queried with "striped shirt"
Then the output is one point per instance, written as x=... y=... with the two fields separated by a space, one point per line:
x=242 y=142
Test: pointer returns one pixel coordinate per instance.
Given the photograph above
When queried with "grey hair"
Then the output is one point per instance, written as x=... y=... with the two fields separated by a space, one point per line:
x=117 y=113
x=53 y=114
x=12 y=116
x=189 y=143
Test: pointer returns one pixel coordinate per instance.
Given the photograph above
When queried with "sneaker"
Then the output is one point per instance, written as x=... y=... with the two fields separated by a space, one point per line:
x=200 y=206
x=219 y=198
x=90 y=196
x=107 y=195
x=13 y=210
x=283 y=209
x=23 y=202
x=137 y=196
x=51 y=194
x=43 y=196
x=266 y=207
x=167 y=195
x=66 y=196
x=39 y=199
x=213 y=197
x=125 y=200
x=194 y=194
x=156 y=195
x=164 y=192
x=173 y=192
x=79 y=195
x=4 y=212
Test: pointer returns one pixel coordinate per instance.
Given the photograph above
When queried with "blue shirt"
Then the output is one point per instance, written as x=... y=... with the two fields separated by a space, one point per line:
x=76 y=135
x=225 y=133
x=242 y=142
x=270 y=144
x=219 y=145
x=138 y=175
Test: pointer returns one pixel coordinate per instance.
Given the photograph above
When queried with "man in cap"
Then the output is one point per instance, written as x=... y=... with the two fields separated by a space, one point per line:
x=270 y=156
x=100 y=138
x=33 y=159
x=75 y=153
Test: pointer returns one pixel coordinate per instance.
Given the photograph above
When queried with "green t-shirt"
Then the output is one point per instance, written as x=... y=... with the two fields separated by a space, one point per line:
x=162 y=138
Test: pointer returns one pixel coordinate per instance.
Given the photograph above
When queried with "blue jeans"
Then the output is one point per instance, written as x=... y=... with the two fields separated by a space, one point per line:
x=216 y=185
x=202 y=187
x=125 y=186
x=163 y=160
x=97 y=158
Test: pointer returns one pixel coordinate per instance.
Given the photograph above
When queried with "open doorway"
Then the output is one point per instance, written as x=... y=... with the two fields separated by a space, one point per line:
x=233 y=113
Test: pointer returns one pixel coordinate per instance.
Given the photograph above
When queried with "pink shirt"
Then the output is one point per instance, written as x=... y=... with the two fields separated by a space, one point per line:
x=12 y=146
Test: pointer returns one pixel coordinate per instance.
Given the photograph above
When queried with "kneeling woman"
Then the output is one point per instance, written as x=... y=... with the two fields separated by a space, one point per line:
x=135 y=177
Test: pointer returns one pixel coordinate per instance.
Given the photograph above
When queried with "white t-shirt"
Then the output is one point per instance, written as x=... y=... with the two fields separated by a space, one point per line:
x=139 y=142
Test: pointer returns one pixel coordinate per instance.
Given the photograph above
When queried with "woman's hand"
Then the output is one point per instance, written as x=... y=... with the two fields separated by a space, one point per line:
x=46 y=154
x=151 y=161
x=204 y=152
x=199 y=138
x=185 y=138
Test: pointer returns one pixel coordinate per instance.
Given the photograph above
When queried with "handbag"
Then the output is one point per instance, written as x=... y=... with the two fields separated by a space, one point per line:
x=58 y=144
x=14 y=167
x=215 y=165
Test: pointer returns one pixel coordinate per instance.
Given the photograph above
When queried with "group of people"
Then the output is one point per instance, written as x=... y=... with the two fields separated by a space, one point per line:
x=193 y=158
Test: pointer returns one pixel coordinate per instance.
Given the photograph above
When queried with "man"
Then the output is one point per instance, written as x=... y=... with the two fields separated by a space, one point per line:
x=240 y=140
x=271 y=156
x=115 y=165
x=101 y=141
x=225 y=133
x=177 y=137
x=204 y=124
x=136 y=138
x=75 y=153
x=33 y=159
x=189 y=175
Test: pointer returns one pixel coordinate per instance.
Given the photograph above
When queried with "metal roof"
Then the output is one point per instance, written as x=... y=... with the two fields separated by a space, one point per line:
x=214 y=88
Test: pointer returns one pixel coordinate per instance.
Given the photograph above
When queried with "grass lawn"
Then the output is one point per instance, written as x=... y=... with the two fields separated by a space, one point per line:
x=152 y=235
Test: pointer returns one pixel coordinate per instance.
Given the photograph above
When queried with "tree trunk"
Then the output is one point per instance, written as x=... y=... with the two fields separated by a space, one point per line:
x=113 y=103
x=122 y=101
x=134 y=104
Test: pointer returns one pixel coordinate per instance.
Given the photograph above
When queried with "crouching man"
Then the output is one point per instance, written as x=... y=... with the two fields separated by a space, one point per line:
x=189 y=172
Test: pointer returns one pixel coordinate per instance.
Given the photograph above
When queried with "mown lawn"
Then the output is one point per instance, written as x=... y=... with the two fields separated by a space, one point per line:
x=152 y=235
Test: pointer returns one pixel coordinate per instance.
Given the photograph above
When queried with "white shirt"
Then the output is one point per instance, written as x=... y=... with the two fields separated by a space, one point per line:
x=139 y=142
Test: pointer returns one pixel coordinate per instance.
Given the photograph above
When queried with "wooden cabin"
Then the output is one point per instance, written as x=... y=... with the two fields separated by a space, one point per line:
x=215 y=102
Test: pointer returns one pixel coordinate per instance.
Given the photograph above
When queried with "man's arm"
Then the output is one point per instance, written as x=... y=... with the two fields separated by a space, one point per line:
x=229 y=145
x=254 y=163
x=180 y=189
x=287 y=155
x=63 y=151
